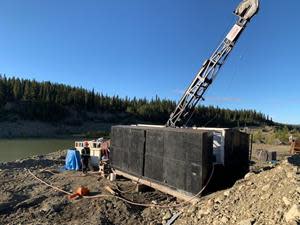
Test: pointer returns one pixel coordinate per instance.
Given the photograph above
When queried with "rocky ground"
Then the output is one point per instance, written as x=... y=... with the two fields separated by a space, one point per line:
x=24 y=200
x=270 y=194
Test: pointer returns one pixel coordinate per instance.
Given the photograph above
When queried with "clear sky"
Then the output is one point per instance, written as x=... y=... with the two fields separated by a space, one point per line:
x=145 y=48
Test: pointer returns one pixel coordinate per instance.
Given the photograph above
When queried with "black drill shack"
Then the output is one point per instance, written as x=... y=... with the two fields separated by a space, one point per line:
x=179 y=158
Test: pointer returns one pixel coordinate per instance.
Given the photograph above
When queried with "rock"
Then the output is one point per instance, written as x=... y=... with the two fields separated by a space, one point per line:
x=195 y=220
x=298 y=190
x=286 y=201
x=154 y=202
x=236 y=199
x=233 y=218
x=216 y=207
x=216 y=222
x=279 y=168
x=224 y=220
x=210 y=203
x=265 y=196
x=285 y=161
x=203 y=212
x=265 y=188
x=290 y=174
x=249 y=183
x=192 y=209
x=167 y=215
x=293 y=215
x=248 y=175
x=219 y=199
x=246 y=222
x=241 y=187
x=227 y=193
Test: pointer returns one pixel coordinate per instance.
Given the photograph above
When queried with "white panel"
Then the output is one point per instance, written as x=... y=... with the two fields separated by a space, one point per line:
x=218 y=143
x=234 y=32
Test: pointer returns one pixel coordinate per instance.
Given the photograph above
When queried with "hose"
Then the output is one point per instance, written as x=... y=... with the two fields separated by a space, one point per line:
x=128 y=201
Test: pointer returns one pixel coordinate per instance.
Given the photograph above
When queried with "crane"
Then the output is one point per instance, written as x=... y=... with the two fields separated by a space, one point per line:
x=208 y=72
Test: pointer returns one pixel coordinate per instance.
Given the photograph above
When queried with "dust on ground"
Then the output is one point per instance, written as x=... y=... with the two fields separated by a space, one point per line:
x=270 y=194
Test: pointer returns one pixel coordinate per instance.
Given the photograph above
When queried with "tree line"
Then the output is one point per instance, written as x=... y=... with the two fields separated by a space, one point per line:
x=48 y=101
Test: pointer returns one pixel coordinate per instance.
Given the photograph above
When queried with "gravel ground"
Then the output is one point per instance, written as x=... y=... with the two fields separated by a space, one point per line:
x=270 y=194
x=24 y=200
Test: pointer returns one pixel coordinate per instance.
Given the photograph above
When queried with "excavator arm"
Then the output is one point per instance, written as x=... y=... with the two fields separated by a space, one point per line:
x=208 y=72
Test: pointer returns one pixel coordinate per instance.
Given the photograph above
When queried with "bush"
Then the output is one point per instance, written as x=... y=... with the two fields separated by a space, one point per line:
x=258 y=137
x=283 y=134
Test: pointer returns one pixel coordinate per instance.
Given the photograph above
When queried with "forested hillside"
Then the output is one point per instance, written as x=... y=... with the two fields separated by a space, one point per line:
x=51 y=102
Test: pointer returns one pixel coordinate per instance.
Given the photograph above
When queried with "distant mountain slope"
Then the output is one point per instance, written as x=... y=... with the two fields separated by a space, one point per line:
x=52 y=102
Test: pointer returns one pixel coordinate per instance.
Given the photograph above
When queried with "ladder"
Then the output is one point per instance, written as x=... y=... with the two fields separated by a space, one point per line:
x=204 y=78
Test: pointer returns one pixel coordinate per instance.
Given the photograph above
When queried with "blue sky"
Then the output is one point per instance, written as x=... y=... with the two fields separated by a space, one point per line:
x=145 y=48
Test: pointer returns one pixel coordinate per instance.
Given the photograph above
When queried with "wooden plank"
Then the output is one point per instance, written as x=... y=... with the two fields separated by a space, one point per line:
x=107 y=188
x=159 y=187
x=295 y=147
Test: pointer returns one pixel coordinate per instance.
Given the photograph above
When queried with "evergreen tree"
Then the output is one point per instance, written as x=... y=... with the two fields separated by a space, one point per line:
x=50 y=101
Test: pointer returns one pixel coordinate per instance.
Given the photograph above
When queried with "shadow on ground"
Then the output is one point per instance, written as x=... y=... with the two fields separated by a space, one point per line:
x=224 y=178
x=294 y=160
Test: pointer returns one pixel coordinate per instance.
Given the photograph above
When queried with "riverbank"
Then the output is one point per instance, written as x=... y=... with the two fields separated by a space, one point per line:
x=269 y=194
x=37 y=129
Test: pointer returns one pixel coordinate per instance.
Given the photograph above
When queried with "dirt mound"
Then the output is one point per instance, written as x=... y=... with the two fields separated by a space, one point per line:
x=264 y=197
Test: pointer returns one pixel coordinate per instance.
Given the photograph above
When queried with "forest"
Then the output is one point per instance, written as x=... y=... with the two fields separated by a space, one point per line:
x=51 y=102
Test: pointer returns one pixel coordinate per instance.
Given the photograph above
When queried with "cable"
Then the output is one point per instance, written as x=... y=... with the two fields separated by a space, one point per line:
x=49 y=185
x=128 y=201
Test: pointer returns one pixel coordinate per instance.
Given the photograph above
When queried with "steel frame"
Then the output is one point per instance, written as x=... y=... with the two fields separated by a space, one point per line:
x=204 y=78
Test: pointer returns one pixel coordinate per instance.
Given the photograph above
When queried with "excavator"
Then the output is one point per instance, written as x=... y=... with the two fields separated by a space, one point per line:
x=185 y=109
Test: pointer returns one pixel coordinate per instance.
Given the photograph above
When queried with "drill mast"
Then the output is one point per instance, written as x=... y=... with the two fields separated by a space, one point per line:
x=204 y=78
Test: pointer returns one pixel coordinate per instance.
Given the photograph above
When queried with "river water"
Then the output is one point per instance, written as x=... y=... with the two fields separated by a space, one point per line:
x=12 y=149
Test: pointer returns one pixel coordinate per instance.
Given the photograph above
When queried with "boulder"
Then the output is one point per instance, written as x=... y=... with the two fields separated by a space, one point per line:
x=246 y=222
x=293 y=215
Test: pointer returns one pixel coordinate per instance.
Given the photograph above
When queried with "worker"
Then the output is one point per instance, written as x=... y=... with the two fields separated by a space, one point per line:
x=85 y=157
x=247 y=9
x=105 y=150
x=291 y=139
x=104 y=154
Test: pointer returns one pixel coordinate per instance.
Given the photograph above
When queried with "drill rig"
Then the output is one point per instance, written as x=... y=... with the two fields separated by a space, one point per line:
x=208 y=72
